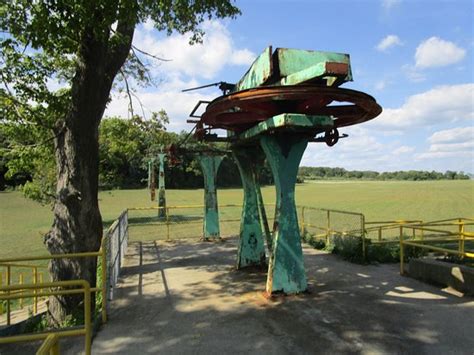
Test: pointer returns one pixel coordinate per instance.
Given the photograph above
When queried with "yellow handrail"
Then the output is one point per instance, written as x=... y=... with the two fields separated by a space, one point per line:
x=84 y=288
x=50 y=345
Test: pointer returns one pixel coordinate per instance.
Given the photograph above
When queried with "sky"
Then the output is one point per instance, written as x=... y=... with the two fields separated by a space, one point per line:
x=414 y=56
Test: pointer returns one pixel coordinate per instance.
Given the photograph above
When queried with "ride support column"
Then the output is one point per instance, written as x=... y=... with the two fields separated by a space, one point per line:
x=286 y=273
x=210 y=165
x=251 y=250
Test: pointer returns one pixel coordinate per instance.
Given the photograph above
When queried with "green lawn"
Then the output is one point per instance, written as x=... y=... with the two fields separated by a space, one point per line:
x=23 y=222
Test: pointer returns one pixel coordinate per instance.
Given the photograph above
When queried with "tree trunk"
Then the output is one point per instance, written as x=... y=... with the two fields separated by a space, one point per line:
x=77 y=225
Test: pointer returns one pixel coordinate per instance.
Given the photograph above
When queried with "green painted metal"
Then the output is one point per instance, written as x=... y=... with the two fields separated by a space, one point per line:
x=259 y=72
x=161 y=186
x=263 y=217
x=210 y=165
x=286 y=268
x=251 y=246
x=309 y=64
x=295 y=66
x=288 y=122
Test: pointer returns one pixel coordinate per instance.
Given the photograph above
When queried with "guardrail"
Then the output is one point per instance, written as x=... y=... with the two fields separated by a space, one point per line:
x=382 y=227
x=111 y=254
x=100 y=253
x=56 y=288
x=35 y=276
x=330 y=222
x=430 y=234
x=173 y=219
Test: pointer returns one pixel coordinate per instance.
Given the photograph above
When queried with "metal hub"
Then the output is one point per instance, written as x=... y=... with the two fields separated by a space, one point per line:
x=243 y=109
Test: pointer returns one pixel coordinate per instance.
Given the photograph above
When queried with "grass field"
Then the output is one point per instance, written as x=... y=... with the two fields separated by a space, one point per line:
x=23 y=222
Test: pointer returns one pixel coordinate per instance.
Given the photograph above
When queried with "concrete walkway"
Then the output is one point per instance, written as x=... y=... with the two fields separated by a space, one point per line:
x=186 y=297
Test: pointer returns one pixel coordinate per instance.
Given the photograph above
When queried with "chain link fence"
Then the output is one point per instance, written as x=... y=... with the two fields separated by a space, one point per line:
x=116 y=247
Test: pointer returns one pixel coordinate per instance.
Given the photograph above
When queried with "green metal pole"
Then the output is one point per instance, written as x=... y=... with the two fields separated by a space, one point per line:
x=251 y=246
x=286 y=270
x=210 y=166
x=161 y=186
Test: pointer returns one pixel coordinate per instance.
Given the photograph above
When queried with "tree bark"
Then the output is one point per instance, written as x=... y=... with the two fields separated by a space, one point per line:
x=77 y=225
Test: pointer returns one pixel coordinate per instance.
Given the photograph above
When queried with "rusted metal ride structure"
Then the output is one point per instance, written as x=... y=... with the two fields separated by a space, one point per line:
x=286 y=99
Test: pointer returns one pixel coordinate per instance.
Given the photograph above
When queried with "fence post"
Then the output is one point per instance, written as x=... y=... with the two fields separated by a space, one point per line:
x=328 y=213
x=461 y=237
x=364 y=252
x=167 y=224
x=20 y=282
x=87 y=317
x=103 y=256
x=302 y=223
x=8 y=280
x=402 y=256
x=1 y=284
x=35 y=291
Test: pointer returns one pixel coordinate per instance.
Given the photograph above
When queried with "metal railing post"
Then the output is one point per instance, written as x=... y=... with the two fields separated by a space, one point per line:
x=20 y=282
x=302 y=222
x=35 y=291
x=87 y=317
x=1 y=284
x=364 y=252
x=103 y=256
x=402 y=253
x=167 y=224
x=461 y=237
x=8 y=293
x=328 y=213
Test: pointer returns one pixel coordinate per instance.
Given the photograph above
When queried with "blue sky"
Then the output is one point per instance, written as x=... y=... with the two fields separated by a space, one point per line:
x=414 y=57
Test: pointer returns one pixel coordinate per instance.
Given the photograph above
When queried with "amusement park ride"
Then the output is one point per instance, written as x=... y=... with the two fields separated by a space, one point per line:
x=286 y=99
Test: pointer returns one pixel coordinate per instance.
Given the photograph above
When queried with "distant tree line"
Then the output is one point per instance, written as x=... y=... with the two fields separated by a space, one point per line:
x=318 y=173
x=126 y=146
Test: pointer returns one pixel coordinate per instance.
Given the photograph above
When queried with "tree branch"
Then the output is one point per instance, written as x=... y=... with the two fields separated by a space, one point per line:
x=130 y=102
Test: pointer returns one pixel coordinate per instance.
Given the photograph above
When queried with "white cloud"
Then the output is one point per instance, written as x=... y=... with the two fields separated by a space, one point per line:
x=454 y=135
x=360 y=151
x=169 y=97
x=443 y=104
x=413 y=74
x=203 y=60
x=388 y=42
x=436 y=52
x=404 y=149
x=455 y=143
x=242 y=57
x=389 y=4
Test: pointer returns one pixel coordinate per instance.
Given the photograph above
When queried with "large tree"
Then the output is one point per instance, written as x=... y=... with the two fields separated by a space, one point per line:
x=82 y=44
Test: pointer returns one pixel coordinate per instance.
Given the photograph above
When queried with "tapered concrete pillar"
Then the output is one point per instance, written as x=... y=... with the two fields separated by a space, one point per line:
x=251 y=250
x=210 y=165
x=286 y=272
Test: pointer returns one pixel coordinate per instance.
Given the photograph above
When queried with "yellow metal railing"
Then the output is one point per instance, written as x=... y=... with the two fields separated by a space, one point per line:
x=50 y=345
x=328 y=227
x=10 y=292
x=168 y=209
x=11 y=262
x=36 y=277
x=53 y=289
x=430 y=232
x=381 y=227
